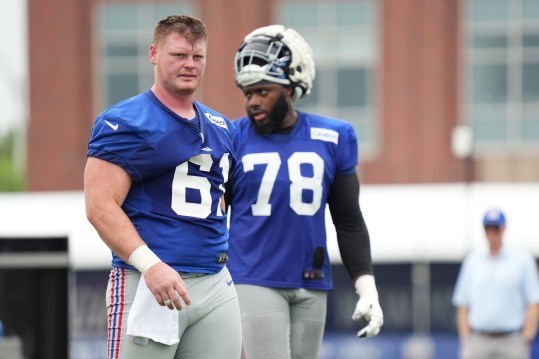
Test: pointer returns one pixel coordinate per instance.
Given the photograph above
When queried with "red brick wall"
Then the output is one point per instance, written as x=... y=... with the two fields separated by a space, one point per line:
x=419 y=102
x=418 y=86
x=60 y=93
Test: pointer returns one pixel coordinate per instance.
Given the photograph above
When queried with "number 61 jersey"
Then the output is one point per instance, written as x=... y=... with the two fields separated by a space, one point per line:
x=178 y=169
x=279 y=192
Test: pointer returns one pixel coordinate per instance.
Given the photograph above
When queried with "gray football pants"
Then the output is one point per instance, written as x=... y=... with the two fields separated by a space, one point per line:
x=210 y=326
x=281 y=323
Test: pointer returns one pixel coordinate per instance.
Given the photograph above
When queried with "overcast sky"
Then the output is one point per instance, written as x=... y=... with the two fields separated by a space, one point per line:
x=13 y=63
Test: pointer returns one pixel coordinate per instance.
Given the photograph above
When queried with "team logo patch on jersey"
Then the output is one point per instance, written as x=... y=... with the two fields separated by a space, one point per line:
x=219 y=121
x=324 y=134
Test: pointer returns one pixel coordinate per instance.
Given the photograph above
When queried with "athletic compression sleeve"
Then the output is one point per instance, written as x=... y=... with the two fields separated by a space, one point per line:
x=228 y=195
x=352 y=233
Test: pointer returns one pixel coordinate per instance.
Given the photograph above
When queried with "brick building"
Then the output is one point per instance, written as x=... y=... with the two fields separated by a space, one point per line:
x=417 y=69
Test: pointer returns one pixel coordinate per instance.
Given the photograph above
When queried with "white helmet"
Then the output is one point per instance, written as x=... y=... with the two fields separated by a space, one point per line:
x=276 y=54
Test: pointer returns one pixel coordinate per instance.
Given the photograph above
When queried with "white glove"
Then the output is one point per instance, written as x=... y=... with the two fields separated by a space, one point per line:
x=368 y=306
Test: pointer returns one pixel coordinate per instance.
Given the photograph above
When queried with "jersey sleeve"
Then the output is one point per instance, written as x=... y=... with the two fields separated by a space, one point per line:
x=114 y=140
x=347 y=156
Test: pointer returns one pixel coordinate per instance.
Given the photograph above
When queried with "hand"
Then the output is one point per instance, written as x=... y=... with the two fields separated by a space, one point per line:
x=166 y=286
x=368 y=307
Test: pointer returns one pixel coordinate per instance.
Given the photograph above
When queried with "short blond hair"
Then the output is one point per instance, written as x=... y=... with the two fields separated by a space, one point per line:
x=189 y=26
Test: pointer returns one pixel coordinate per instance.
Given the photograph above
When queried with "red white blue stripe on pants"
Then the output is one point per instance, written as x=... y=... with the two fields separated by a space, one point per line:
x=116 y=312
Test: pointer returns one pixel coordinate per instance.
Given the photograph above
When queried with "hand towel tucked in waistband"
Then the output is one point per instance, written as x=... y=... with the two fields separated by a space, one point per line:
x=150 y=320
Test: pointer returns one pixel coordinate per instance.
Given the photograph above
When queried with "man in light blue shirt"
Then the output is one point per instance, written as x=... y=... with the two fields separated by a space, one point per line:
x=497 y=298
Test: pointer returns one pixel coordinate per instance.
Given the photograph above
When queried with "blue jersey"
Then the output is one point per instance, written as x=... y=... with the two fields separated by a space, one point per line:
x=279 y=193
x=178 y=168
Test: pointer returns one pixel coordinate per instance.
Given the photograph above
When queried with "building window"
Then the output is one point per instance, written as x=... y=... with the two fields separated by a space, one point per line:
x=125 y=32
x=502 y=73
x=344 y=39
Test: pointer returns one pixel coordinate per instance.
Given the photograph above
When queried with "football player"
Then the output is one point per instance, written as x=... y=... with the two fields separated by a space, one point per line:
x=291 y=164
x=157 y=164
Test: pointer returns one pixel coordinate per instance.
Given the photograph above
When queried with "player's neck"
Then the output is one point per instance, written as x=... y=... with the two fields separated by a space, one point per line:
x=181 y=104
x=290 y=120
x=288 y=124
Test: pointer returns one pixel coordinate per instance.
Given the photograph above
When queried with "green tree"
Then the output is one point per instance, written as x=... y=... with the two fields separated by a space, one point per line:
x=11 y=178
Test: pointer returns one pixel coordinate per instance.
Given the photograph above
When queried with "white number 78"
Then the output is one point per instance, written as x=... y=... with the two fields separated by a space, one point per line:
x=298 y=182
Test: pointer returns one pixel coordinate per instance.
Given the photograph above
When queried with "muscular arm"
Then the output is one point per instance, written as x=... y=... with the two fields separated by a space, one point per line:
x=105 y=188
x=352 y=234
x=355 y=248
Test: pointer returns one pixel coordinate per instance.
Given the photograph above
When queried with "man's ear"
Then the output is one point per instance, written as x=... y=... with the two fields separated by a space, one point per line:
x=289 y=91
x=153 y=54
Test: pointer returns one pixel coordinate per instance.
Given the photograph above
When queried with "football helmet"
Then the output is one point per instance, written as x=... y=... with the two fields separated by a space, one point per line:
x=276 y=54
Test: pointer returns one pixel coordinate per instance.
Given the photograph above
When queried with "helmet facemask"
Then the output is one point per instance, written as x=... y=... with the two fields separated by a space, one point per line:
x=262 y=58
x=276 y=55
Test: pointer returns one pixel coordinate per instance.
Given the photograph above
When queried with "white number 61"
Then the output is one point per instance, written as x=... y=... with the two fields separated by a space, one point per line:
x=182 y=181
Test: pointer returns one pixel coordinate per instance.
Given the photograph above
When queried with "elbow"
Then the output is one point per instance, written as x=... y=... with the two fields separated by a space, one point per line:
x=91 y=213
x=94 y=212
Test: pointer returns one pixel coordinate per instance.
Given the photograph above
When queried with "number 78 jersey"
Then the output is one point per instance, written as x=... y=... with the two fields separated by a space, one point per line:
x=279 y=194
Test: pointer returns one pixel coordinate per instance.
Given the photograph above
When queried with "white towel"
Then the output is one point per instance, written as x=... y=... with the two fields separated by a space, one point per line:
x=148 y=319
